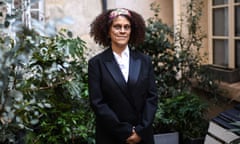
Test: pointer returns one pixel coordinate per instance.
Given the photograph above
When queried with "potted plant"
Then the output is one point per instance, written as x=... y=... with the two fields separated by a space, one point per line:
x=164 y=133
x=184 y=114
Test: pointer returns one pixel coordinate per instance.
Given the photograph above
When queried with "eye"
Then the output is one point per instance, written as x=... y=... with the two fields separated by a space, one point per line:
x=117 y=27
x=127 y=27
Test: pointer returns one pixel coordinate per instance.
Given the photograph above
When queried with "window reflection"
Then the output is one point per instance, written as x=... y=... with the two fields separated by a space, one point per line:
x=237 y=21
x=219 y=2
x=237 y=53
x=17 y=3
x=35 y=5
x=220 y=52
x=220 y=22
x=35 y=15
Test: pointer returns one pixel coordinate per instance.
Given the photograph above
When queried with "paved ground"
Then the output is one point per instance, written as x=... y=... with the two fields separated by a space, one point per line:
x=232 y=90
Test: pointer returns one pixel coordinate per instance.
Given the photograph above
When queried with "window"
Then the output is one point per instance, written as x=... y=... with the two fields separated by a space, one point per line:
x=37 y=10
x=34 y=10
x=237 y=32
x=225 y=33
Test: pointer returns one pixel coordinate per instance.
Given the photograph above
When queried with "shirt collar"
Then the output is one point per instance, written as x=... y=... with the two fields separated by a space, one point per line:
x=125 y=53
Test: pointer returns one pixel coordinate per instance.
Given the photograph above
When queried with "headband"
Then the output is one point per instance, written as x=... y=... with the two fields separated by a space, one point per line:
x=118 y=12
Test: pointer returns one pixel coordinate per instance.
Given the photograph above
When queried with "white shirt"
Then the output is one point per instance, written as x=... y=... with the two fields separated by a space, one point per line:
x=123 y=62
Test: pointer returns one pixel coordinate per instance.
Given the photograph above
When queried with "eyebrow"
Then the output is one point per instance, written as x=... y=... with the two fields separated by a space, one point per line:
x=121 y=25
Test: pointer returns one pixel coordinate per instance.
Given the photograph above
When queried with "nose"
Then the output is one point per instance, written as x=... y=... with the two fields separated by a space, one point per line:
x=123 y=29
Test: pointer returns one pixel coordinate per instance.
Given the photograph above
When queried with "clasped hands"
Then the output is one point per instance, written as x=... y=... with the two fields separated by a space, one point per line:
x=134 y=138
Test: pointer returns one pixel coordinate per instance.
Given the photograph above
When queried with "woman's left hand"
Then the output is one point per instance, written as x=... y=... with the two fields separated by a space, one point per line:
x=134 y=138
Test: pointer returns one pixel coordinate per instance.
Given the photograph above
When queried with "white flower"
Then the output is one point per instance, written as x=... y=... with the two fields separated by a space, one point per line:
x=43 y=51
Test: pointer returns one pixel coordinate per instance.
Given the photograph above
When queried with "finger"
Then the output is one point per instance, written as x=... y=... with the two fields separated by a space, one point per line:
x=130 y=142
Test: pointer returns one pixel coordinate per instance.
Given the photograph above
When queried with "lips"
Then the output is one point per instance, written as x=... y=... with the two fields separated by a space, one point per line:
x=121 y=37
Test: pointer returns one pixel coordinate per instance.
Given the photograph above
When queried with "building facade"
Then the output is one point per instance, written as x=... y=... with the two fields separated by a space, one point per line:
x=220 y=22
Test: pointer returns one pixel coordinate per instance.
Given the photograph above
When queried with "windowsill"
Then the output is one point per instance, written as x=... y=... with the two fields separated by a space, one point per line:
x=229 y=81
x=224 y=74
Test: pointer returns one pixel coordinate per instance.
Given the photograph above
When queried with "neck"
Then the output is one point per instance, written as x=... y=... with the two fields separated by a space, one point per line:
x=118 y=49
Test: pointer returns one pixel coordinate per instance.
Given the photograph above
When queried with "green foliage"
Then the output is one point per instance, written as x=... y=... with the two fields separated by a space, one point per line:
x=158 y=44
x=177 y=65
x=17 y=112
x=184 y=113
x=189 y=45
x=60 y=77
x=190 y=118
x=43 y=86
x=45 y=90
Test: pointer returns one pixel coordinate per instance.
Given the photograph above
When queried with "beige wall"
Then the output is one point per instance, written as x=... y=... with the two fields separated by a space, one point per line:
x=166 y=11
x=179 y=9
x=84 y=11
x=143 y=7
x=81 y=11
x=204 y=24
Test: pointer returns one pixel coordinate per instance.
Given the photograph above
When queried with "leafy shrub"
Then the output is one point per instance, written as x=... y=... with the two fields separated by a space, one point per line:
x=158 y=44
x=184 y=113
x=49 y=87
x=43 y=86
x=17 y=112
x=177 y=62
x=60 y=78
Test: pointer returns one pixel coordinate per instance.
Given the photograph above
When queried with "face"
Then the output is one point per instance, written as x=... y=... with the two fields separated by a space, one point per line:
x=120 y=32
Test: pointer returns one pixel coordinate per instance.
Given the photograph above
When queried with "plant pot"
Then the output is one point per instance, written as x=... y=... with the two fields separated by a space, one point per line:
x=167 y=138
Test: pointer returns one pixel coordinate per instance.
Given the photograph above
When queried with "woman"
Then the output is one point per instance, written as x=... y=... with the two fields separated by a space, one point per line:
x=122 y=88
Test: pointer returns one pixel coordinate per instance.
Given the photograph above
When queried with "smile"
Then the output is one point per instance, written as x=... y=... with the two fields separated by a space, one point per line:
x=121 y=37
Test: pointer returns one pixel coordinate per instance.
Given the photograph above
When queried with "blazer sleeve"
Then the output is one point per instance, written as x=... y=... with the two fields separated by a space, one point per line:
x=150 y=106
x=103 y=112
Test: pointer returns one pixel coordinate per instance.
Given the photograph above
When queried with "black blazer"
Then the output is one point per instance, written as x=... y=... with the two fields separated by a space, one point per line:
x=120 y=105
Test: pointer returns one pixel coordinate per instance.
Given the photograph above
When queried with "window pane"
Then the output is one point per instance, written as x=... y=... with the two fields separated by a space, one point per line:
x=35 y=15
x=237 y=52
x=17 y=3
x=219 y=2
x=220 y=52
x=237 y=21
x=220 y=22
x=237 y=1
x=35 y=5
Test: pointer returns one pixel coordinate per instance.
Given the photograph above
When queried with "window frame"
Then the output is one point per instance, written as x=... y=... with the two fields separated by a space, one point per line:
x=27 y=15
x=40 y=10
x=231 y=33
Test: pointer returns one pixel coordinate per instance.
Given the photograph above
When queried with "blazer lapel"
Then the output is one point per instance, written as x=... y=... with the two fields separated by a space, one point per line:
x=134 y=69
x=133 y=76
x=115 y=71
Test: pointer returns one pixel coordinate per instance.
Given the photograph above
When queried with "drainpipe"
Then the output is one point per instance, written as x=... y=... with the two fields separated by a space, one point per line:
x=104 y=5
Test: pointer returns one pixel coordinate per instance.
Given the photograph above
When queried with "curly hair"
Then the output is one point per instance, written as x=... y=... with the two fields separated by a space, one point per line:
x=99 y=28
